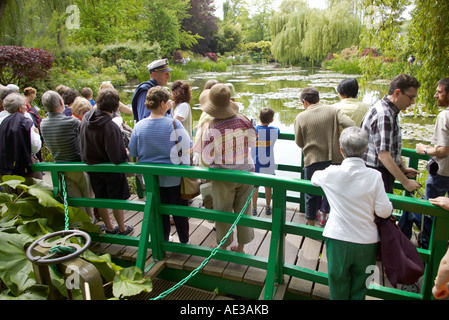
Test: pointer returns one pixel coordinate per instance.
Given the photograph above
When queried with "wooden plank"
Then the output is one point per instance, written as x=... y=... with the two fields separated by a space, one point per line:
x=293 y=243
x=177 y=260
x=255 y=275
x=307 y=258
x=134 y=219
x=236 y=271
x=321 y=291
x=206 y=238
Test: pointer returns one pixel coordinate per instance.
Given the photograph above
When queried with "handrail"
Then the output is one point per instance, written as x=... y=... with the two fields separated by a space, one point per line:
x=275 y=265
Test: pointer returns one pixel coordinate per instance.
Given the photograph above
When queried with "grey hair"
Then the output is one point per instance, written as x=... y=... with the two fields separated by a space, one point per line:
x=51 y=100
x=13 y=102
x=354 y=141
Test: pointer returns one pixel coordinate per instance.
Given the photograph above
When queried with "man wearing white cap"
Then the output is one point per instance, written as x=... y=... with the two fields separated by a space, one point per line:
x=159 y=74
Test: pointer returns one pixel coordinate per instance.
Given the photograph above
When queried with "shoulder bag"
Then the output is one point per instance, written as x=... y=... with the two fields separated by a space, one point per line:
x=401 y=260
x=190 y=187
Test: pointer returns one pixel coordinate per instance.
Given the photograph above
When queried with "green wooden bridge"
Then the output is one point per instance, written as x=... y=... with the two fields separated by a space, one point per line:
x=271 y=262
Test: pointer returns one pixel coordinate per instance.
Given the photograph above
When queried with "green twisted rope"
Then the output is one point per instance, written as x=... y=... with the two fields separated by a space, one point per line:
x=66 y=206
x=214 y=251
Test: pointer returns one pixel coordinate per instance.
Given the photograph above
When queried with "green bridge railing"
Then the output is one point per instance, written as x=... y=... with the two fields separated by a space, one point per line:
x=151 y=236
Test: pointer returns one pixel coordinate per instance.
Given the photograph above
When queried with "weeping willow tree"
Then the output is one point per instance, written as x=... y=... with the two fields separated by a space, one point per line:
x=33 y=23
x=307 y=36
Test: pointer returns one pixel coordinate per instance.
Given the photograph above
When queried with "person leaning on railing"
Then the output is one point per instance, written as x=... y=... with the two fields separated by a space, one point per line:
x=316 y=133
x=384 y=133
x=153 y=141
x=355 y=194
x=225 y=144
x=101 y=141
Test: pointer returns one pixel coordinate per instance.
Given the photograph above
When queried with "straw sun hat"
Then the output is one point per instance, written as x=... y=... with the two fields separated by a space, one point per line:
x=217 y=102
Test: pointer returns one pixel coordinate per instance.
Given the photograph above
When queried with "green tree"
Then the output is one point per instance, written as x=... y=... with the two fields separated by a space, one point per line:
x=34 y=23
x=164 y=27
x=99 y=21
x=257 y=28
x=428 y=35
x=381 y=30
x=229 y=37
x=304 y=35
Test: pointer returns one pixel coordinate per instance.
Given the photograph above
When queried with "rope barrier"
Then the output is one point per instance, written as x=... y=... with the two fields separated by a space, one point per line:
x=66 y=206
x=214 y=251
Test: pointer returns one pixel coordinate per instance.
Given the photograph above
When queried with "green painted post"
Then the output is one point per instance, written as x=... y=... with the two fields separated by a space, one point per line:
x=276 y=254
x=156 y=224
x=145 y=232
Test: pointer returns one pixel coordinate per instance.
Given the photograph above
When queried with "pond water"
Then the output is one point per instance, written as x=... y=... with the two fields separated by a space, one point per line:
x=279 y=88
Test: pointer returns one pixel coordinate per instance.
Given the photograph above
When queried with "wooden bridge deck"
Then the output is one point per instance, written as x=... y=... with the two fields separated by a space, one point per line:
x=301 y=251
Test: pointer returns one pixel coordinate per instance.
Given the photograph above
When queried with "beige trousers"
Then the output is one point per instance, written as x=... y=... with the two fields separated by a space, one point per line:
x=78 y=186
x=231 y=197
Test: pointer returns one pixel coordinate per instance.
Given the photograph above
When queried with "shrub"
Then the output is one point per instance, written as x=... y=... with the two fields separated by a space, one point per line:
x=22 y=65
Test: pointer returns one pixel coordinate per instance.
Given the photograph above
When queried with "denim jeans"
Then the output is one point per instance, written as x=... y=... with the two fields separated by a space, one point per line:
x=436 y=186
x=314 y=202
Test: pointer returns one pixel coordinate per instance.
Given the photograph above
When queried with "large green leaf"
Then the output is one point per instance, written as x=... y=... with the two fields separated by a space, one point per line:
x=42 y=192
x=24 y=207
x=103 y=263
x=15 y=269
x=35 y=292
x=12 y=181
x=129 y=282
x=34 y=228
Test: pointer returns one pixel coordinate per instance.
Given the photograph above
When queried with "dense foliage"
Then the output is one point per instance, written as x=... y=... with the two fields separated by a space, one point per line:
x=23 y=65
x=425 y=37
x=28 y=211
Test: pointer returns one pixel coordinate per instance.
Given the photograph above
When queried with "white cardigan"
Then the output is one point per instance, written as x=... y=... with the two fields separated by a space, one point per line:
x=355 y=193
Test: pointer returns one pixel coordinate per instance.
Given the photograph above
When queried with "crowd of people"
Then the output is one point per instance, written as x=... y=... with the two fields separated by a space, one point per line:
x=351 y=151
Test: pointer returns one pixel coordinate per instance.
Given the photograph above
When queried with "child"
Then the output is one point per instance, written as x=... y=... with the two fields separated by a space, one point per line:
x=263 y=154
x=88 y=94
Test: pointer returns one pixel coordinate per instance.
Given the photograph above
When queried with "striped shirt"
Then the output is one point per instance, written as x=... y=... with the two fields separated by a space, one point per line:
x=384 y=133
x=60 y=134
x=153 y=141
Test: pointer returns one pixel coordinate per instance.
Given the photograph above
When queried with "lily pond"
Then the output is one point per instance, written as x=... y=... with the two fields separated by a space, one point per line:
x=279 y=88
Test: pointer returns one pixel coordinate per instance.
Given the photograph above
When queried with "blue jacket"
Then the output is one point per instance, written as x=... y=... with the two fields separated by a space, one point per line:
x=138 y=102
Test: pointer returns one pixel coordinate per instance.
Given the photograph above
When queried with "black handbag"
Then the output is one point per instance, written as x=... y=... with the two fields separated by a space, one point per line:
x=432 y=166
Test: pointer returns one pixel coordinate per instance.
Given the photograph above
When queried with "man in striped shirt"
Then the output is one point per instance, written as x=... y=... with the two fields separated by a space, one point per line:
x=385 y=139
x=60 y=133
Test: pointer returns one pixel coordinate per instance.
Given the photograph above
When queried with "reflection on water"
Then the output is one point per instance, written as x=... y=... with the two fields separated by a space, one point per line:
x=279 y=88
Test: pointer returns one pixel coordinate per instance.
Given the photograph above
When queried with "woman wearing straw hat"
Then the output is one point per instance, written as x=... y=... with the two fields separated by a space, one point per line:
x=224 y=144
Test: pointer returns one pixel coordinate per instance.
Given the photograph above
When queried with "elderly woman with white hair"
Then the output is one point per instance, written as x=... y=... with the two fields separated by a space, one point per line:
x=355 y=194
x=20 y=138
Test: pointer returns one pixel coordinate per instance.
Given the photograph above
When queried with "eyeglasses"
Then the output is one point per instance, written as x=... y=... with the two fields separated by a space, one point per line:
x=410 y=97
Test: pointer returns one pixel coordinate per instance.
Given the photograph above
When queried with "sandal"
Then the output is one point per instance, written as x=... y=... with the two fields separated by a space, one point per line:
x=127 y=231
x=113 y=231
